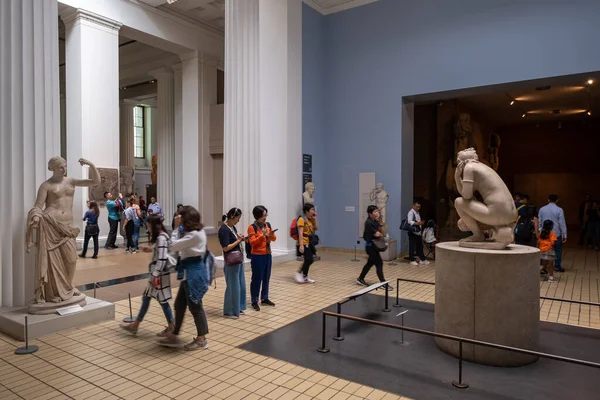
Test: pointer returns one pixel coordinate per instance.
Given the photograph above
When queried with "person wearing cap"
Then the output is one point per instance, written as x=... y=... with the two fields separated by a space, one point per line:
x=178 y=212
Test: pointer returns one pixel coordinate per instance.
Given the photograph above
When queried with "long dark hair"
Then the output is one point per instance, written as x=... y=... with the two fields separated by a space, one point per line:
x=156 y=227
x=546 y=229
x=94 y=208
x=190 y=219
x=234 y=212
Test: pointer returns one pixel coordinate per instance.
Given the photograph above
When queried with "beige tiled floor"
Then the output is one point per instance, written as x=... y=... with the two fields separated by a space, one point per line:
x=102 y=362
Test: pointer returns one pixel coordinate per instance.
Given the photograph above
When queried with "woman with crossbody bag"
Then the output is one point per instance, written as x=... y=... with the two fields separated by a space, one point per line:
x=91 y=228
x=234 y=303
x=373 y=231
x=159 y=282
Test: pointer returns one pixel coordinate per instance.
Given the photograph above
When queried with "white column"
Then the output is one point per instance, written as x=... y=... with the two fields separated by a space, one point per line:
x=126 y=133
x=92 y=87
x=263 y=110
x=178 y=141
x=165 y=130
x=29 y=131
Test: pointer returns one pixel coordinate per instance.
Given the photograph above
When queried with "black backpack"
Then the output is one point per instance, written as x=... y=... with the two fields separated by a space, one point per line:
x=524 y=230
x=248 y=247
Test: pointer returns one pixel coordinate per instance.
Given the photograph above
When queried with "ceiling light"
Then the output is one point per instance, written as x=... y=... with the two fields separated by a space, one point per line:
x=524 y=115
x=171 y=1
x=590 y=81
x=589 y=112
x=512 y=102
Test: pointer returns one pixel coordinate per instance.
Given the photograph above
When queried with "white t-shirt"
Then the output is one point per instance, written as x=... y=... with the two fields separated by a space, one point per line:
x=192 y=244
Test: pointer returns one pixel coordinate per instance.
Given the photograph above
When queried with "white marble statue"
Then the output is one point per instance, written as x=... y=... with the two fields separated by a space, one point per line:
x=309 y=193
x=380 y=197
x=52 y=218
x=495 y=211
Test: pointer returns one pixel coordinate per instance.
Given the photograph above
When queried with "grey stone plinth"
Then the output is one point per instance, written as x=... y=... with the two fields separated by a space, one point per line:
x=12 y=319
x=488 y=295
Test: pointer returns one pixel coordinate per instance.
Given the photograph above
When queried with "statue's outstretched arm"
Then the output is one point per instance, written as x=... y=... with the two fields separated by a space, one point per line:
x=94 y=175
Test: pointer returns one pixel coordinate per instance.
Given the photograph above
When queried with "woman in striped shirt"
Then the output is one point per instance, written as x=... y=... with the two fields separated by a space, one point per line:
x=159 y=282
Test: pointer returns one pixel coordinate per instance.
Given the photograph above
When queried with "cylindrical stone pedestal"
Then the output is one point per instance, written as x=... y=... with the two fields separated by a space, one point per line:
x=488 y=295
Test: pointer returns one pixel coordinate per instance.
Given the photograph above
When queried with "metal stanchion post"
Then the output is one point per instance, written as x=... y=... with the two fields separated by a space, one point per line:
x=402 y=319
x=130 y=318
x=460 y=384
x=95 y=289
x=27 y=349
x=397 y=294
x=323 y=348
x=401 y=315
x=387 y=291
x=355 y=259
x=339 y=336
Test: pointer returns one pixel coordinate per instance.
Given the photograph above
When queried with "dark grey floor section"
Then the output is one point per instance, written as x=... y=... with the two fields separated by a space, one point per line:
x=373 y=356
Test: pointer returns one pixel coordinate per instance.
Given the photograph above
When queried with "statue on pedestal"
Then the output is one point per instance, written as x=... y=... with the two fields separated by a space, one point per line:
x=309 y=192
x=494 y=210
x=52 y=217
x=380 y=197
x=126 y=180
x=154 y=172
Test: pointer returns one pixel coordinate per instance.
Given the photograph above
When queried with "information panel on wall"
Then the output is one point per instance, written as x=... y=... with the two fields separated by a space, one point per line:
x=306 y=169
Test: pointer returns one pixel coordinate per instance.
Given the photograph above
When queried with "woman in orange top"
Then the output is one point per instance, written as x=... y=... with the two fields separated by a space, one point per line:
x=546 y=240
x=260 y=236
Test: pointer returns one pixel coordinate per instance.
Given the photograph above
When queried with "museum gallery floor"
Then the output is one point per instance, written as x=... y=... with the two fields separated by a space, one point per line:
x=101 y=362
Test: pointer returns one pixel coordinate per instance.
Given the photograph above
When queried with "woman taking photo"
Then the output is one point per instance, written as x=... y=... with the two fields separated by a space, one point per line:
x=91 y=229
x=235 y=293
x=191 y=270
x=159 y=282
x=260 y=236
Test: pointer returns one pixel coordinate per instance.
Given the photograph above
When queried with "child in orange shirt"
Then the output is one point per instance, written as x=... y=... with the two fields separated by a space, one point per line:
x=546 y=240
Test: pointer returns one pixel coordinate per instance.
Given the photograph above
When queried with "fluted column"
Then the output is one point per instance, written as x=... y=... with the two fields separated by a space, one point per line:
x=178 y=140
x=241 y=141
x=29 y=129
x=92 y=88
x=263 y=122
x=126 y=133
x=165 y=130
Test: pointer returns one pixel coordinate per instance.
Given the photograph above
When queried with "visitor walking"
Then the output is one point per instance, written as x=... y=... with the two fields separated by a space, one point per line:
x=191 y=270
x=307 y=225
x=91 y=228
x=137 y=222
x=260 y=237
x=415 y=241
x=159 y=282
x=546 y=243
x=373 y=229
x=592 y=220
x=129 y=227
x=234 y=302
x=155 y=207
x=552 y=212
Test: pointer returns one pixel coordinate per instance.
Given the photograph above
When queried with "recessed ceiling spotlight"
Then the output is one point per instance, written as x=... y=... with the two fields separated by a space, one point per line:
x=524 y=115
x=589 y=112
x=590 y=82
x=512 y=102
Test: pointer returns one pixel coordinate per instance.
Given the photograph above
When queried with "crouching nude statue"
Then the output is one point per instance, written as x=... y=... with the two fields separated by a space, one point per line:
x=52 y=217
x=496 y=211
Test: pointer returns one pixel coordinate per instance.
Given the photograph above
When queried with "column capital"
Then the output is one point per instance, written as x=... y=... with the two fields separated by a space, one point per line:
x=130 y=102
x=203 y=58
x=71 y=16
x=176 y=67
x=161 y=72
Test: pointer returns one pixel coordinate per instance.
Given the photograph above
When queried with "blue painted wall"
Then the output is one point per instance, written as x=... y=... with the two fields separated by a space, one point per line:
x=378 y=53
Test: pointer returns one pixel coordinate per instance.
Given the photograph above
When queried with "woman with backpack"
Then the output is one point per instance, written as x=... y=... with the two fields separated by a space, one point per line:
x=192 y=271
x=234 y=303
x=159 y=282
x=260 y=236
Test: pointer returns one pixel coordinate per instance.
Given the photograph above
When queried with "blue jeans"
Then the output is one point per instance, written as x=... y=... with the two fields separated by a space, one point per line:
x=558 y=246
x=144 y=308
x=136 y=234
x=261 y=274
x=235 y=293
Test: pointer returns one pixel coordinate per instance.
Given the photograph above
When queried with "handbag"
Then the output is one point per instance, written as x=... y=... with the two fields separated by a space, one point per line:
x=405 y=226
x=92 y=229
x=380 y=244
x=313 y=240
x=233 y=257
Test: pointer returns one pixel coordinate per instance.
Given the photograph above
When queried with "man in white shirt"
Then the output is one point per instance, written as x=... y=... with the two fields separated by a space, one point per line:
x=415 y=243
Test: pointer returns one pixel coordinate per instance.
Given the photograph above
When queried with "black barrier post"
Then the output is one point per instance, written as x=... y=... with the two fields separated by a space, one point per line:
x=339 y=336
x=27 y=349
x=129 y=319
x=397 y=293
x=95 y=290
x=460 y=384
x=387 y=291
x=355 y=259
x=323 y=348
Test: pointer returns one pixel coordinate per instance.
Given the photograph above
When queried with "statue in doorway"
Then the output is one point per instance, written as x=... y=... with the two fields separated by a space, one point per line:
x=486 y=204
x=126 y=180
x=493 y=151
x=380 y=197
x=309 y=193
x=153 y=173
x=51 y=217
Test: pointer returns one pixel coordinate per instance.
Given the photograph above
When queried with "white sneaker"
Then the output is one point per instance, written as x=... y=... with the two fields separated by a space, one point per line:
x=413 y=263
x=308 y=280
x=299 y=277
x=425 y=262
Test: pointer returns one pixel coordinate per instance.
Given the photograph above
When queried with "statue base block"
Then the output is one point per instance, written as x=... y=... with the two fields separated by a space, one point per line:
x=488 y=295
x=12 y=319
x=50 y=308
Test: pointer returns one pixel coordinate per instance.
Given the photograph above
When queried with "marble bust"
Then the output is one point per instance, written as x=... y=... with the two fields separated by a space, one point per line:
x=309 y=192
x=495 y=211
x=380 y=197
x=52 y=219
